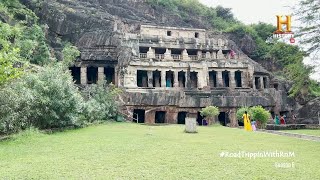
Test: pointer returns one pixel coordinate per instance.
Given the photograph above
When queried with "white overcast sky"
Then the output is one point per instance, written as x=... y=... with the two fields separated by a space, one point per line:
x=254 y=11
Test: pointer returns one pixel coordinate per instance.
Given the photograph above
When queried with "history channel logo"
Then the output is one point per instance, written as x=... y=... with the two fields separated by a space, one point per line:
x=284 y=28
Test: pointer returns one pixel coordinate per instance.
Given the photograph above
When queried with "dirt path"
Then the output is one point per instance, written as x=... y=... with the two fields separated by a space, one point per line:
x=300 y=136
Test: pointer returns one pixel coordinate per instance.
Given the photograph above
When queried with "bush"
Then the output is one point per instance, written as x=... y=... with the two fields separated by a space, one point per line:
x=241 y=111
x=46 y=99
x=101 y=104
x=257 y=113
x=260 y=115
x=209 y=113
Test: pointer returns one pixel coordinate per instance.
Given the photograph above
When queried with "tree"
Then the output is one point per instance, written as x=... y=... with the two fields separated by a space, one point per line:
x=308 y=13
x=224 y=13
x=9 y=54
x=70 y=53
x=257 y=113
x=260 y=115
x=241 y=111
x=209 y=113
x=264 y=30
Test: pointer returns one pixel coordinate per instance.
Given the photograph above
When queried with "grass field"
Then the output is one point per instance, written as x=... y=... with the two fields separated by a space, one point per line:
x=131 y=151
x=314 y=132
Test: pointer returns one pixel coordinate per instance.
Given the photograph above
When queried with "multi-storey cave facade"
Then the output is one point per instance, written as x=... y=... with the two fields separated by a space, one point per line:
x=170 y=73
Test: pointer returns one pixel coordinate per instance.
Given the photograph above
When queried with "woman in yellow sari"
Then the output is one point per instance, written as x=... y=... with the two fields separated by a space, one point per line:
x=246 y=121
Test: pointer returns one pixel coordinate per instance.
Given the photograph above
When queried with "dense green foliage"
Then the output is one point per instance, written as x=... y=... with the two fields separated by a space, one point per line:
x=240 y=112
x=308 y=13
x=22 y=40
x=100 y=103
x=49 y=99
x=9 y=55
x=260 y=115
x=210 y=111
x=70 y=53
x=45 y=99
x=288 y=57
x=257 y=113
x=220 y=18
x=45 y=95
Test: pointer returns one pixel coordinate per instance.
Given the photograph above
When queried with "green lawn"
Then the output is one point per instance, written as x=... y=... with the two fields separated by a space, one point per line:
x=314 y=132
x=131 y=151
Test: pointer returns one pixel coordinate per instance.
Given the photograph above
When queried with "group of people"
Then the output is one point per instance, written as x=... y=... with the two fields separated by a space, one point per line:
x=281 y=121
x=248 y=125
x=251 y=125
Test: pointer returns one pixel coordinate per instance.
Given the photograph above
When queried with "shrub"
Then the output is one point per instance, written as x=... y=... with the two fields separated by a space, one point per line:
x=46 y=99
x=101 y=102
x=260 y=115
x=241 y=111
x=257 y=113
x=209 y=112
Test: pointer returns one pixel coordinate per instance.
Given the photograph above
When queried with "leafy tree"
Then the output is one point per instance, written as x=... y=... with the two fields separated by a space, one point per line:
x=101 y=104
x=257 y=113
x=44 y=99
x=224 y=13
x=285 y=54
x=9 y=54
x=209 y=113
x=241 y=111
x=219 y=17
x=264 y=30
x=308 y=13
x=70 y=53
x=260 y=115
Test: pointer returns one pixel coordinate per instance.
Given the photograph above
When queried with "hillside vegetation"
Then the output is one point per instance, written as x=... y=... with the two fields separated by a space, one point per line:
x=37 y=90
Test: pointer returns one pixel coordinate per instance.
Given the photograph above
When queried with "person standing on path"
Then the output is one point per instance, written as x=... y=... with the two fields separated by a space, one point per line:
x=246 y=121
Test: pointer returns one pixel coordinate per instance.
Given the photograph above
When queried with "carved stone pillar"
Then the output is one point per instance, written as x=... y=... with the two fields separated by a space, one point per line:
x=267 y=82
x=150 y=79
x=176 y=81
x=151 y=53
x=220 y=55
x=199 y=54
x=232 y=80
x=243 y=79
x=233 y=117
x=208 y=55
x=163 y=78
x=219 y=78
x=150 y=117
x=261 y=83
x=101 y=76
x=167 y=55
x=253 y=82
x=83 y=74
x=185 y=55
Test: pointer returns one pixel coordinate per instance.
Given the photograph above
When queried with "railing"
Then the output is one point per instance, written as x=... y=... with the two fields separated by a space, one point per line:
x=143 y=55
x=176 y=56
x=159 y=56
x=193 y=57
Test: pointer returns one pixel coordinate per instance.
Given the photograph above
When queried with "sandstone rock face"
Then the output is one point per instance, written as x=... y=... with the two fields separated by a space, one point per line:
x=310 y=113
x=90 y=23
